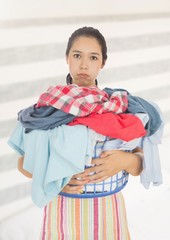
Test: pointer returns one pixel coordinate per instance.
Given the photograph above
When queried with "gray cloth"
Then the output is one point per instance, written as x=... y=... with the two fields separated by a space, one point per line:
x=43 y=118
x=139 y=105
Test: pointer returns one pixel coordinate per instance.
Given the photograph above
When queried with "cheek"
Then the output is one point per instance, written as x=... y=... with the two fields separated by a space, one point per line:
x=74 y=64
x=98 y=68
x=72 y=68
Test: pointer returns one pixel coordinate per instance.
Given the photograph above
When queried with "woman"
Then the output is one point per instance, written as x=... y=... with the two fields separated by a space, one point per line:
x=86 y=55
x=74 y=214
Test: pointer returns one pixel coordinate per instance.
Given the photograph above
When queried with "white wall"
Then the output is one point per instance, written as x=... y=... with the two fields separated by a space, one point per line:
x=23 y=9
x=32 y=57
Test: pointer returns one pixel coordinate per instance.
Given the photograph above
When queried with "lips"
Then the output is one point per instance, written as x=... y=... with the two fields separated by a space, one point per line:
x=83 y=75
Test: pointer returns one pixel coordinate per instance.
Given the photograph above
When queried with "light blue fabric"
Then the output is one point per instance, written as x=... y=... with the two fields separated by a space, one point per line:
x=151 y=163
x=118 y=144
x=50 y=157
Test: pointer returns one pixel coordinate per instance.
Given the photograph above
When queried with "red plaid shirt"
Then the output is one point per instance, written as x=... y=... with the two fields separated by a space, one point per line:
x=82 y=101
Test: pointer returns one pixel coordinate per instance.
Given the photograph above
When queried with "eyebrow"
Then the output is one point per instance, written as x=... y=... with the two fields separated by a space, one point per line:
x=93 y=53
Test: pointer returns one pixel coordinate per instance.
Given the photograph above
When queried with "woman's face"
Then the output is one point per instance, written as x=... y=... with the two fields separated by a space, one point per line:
x=85 y=61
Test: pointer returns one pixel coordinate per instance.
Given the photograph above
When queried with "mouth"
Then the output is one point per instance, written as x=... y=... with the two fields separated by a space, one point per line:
x=83 y=75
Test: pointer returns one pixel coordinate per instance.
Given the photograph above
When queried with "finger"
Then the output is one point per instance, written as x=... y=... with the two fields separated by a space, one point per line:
x=99 y=161
x=99 y=179
x=103 y=154
x=97 y=176
x=94 y=169
x=72 y=189
x=78 y=182
x=79 y=175
x=107 y=153
x=96 y=161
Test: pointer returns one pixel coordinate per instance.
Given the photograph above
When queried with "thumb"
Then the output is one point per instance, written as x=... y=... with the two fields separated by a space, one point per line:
x=104 y=154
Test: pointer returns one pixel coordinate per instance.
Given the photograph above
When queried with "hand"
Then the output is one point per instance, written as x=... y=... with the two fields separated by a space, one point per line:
x=76 y=184
x=114 y=161
x=109 y=164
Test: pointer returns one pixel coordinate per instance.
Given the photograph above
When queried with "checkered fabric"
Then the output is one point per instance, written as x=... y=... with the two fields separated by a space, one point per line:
x=82 y=101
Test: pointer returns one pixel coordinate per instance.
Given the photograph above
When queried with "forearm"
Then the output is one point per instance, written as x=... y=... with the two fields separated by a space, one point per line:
x=134 y=162
x=21 y=169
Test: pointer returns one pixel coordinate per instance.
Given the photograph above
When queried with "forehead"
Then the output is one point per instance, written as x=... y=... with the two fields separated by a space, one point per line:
x=86 y=44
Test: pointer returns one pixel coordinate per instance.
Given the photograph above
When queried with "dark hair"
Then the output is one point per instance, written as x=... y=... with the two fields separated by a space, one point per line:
x=88 y=32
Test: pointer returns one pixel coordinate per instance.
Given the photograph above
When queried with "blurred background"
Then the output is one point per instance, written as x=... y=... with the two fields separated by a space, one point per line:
x=33 y=37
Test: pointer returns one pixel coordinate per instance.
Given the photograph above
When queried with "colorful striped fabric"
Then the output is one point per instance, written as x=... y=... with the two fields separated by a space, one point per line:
x=85 y=219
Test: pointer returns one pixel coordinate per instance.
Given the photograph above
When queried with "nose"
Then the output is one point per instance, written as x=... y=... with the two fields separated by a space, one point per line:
x=84 y=64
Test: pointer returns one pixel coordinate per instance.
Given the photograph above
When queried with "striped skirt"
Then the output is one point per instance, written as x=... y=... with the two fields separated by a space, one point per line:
x=102 y=218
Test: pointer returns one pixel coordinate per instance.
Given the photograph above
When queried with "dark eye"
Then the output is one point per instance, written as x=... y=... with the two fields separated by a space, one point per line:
x=94 y=58
x=76 y=55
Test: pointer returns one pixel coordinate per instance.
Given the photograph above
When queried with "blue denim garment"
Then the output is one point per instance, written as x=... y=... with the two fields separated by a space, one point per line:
x=140 y=105
x=43 y=118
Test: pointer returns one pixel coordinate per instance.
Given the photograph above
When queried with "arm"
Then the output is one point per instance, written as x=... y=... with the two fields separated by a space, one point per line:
x=21 y=169
x=137 y=169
